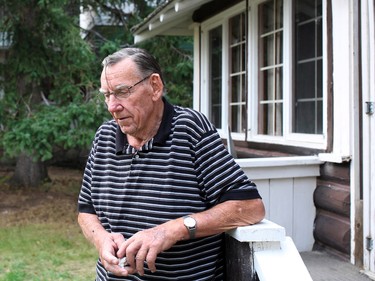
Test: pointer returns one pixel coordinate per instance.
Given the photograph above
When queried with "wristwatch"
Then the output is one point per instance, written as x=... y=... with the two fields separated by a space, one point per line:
x=191 y=225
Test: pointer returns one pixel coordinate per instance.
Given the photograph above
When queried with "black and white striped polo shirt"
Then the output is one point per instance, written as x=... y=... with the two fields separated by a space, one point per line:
x=184 y=169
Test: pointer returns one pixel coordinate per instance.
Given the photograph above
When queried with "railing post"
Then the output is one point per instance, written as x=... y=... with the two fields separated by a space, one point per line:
x=262 y=252
x=242 y=242
x=239 y=258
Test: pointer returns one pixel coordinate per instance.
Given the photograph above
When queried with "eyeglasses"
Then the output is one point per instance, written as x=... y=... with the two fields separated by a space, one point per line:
x=122 y=91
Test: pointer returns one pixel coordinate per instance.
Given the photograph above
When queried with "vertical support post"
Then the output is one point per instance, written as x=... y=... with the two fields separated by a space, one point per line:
x=241 y=244
x=239 y=258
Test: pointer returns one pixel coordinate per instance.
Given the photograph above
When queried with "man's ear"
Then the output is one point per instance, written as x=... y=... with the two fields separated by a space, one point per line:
x=157 y=85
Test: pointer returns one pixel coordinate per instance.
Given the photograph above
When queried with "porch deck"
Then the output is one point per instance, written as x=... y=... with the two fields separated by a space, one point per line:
x=323 y=266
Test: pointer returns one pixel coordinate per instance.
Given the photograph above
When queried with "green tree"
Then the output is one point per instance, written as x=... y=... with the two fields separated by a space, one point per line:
x=175 y=55
x=51 y=72
x=48 y=78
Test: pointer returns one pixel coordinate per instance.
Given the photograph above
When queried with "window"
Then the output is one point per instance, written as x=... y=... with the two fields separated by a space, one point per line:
x=308 y=96
x=237 y=73
x=231 y=86
x=270 y=110
x=264 y=72
x=215 y=64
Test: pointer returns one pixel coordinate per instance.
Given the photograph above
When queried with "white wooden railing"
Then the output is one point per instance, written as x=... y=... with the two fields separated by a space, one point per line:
x=263 y=252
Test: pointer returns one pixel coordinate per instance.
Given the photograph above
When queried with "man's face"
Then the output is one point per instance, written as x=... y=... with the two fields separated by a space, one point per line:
x=132 y=110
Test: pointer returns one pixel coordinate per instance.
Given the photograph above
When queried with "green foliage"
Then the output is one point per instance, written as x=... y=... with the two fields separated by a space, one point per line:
x=47 y=53
x=68 y=126
x=175 y=55
x=50 y=71
x=48 y=76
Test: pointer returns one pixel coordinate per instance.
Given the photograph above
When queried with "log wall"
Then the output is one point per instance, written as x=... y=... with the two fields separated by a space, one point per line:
x=332 y=202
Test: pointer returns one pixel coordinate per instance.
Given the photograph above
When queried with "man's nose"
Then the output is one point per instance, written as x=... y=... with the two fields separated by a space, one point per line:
x=113 y=104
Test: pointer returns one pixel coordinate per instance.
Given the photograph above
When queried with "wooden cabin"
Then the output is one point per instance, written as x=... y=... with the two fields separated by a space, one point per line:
x=291 y=83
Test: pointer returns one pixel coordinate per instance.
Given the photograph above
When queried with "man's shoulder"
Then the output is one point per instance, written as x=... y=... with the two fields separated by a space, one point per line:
x=107 y=129
x=110 y=125
x=192 y=118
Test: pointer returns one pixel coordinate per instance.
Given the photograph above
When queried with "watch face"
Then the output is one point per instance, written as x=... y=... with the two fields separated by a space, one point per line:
x=189 y=222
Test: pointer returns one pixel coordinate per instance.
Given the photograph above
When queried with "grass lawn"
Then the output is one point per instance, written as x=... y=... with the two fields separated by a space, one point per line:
x=40 y=239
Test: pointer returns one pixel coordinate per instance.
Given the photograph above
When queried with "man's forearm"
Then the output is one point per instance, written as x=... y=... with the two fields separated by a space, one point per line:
x=92 y=228
x=220 y=218
x=147 y=244
x=229 y=215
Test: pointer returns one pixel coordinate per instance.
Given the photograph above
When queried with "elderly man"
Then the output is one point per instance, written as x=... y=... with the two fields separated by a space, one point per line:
x=159 y=187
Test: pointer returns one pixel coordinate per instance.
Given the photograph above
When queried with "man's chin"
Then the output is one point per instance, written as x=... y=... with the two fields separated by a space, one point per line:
x=125 y=129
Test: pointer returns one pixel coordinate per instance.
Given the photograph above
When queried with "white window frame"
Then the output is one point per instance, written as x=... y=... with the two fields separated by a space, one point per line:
x=223 y=20
x=314 y=141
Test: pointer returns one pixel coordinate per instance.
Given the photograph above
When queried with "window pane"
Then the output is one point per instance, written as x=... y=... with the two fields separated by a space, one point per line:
x=270 y=68
x=319 y=37
x=268 y=49
x=236 y=89
x=238 y=86
x=237 y=67
x=238 y=119
x=238 y=58
x=279 y=47
x=237 y=29
x=271 y=119
x=308 y=67
x=278 y=91
x=305 y=80
x=306 y=41
x=266 y=16
x=215 y=62
x=237 y=63
x=305 y=117
x=266 y=85
x=319 y=117
x=319 y=79
x=271 y=16
x=305 y=10
x=309 y=117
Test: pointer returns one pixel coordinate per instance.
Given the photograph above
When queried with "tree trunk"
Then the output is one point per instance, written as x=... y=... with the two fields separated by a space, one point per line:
x=29 y=173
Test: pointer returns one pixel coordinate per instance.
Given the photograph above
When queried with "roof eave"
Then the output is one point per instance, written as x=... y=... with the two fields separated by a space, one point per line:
x=171 y=18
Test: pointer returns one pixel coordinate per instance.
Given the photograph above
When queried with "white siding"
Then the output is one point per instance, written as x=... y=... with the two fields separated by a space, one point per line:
x=286 y=185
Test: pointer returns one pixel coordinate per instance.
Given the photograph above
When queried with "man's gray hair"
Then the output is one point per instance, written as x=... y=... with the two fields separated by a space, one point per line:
x=146 y=63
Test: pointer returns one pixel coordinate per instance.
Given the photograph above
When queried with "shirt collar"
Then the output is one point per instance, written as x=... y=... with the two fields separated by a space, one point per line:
x=160 y=137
